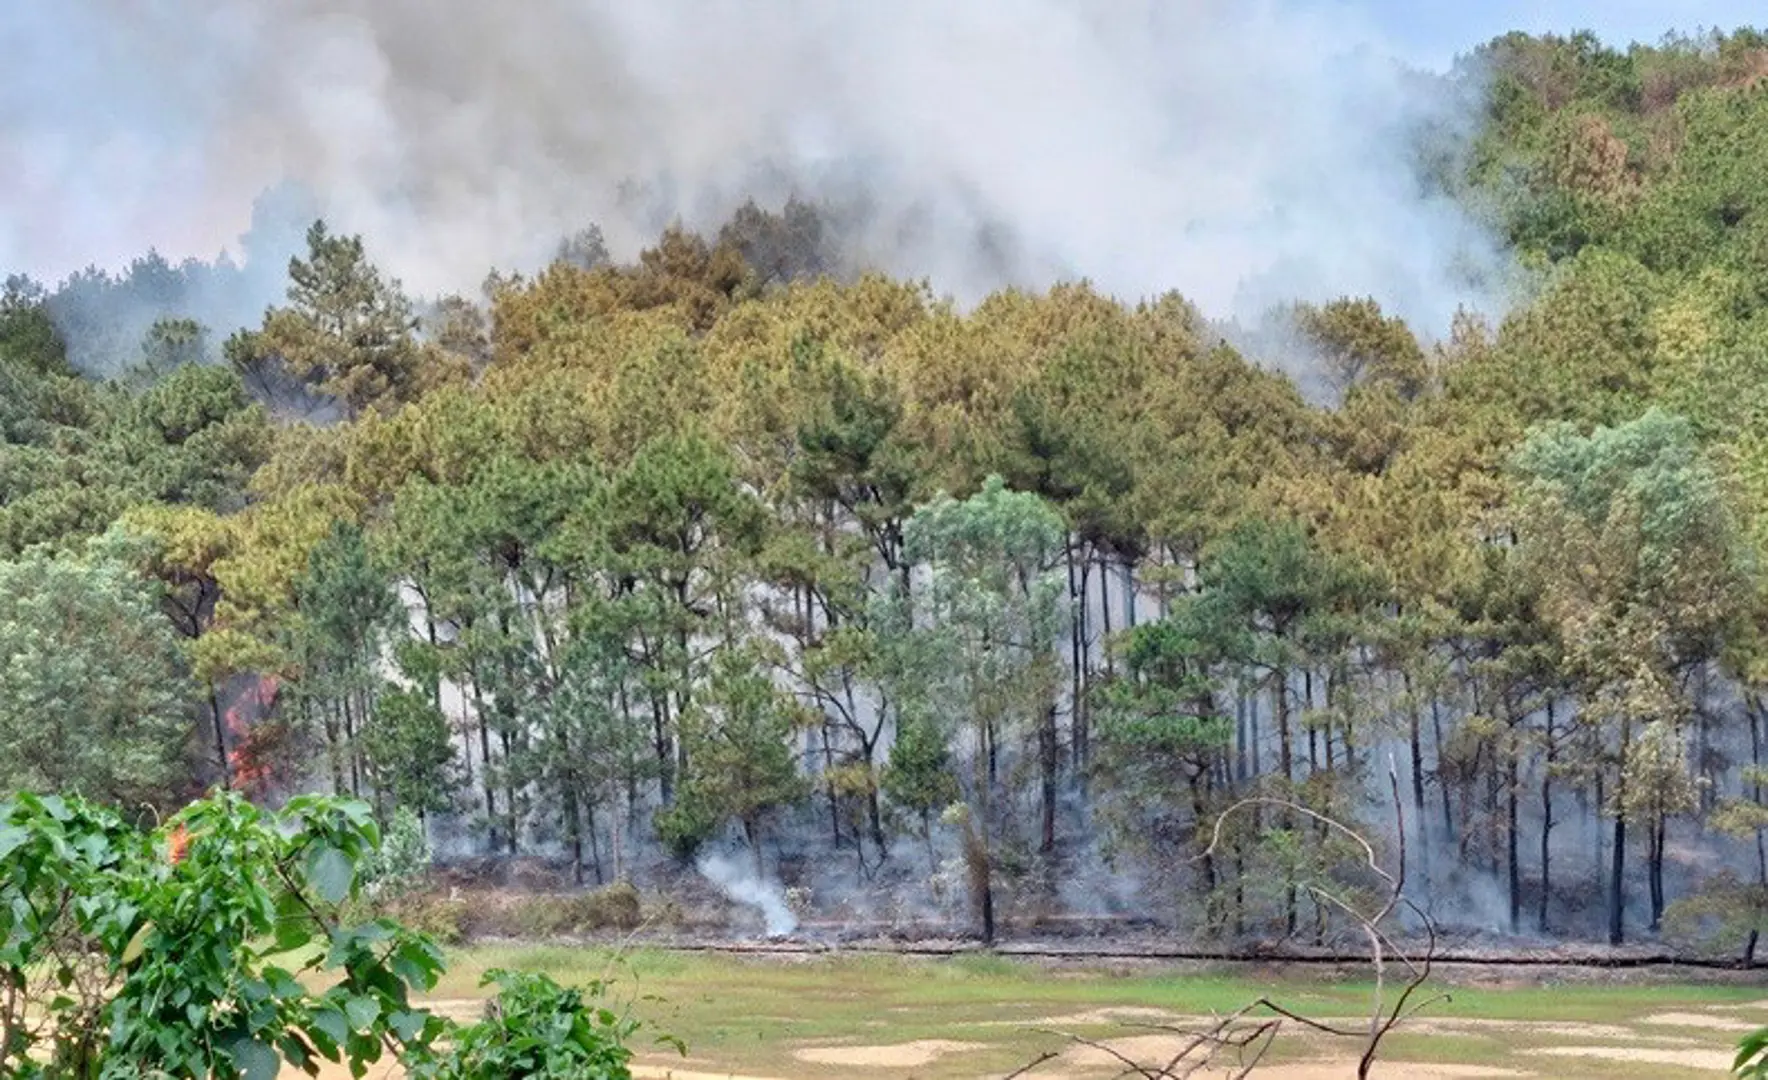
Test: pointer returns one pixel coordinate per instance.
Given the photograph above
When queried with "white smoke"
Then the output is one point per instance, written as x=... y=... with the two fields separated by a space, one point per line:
x=1240 y=151
x=739 y=882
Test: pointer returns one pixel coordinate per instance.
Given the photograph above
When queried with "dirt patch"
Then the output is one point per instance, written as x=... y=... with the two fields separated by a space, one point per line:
x=658 y=1072
x=1160 y=1049
x=1113 y=1014
x=1154 y=1049
x=1699 y=1020
x=1337 y=1070
x=1714 y=1060
x=1561 y=1029
x=910 y=1055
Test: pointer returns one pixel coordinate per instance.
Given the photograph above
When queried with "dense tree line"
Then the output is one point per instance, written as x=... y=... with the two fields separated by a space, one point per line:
x=716 y=542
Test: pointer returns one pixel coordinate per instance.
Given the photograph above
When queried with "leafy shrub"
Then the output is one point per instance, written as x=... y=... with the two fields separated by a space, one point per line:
x=684 y=828
x=538 y=1030
x=124 y=954
x=185 y=927
x=1752 y=1056
x=402 y=860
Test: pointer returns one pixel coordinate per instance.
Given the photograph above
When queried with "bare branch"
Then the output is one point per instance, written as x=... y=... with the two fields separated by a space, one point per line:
x=1253 y=1039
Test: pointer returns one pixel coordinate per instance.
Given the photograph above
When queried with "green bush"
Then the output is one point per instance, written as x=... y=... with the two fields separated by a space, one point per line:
x=401 y=862
x=538 y=1030
x=159 y=955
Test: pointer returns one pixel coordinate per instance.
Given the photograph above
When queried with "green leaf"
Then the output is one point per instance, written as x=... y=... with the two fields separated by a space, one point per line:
x=137 y=944
x=11 y=836
x=331 y=1023
x=283 y=985
x=255 y=1060
x=294 y=926
x=330 y=871
x=362 y=1011
x=408 y=1025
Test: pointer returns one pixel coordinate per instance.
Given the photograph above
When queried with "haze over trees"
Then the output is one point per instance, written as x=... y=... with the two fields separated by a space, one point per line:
x=708 y=546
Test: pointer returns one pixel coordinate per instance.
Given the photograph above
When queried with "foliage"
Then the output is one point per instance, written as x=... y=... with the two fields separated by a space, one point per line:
x=401 y=860
x=662 y=541
x=407 y=752
x=142 y=955
x=1752 y=1056
x=537 y=1030
x=93 y=697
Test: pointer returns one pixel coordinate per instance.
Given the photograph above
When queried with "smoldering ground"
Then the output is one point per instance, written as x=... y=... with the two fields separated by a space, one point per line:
x=1240 y=152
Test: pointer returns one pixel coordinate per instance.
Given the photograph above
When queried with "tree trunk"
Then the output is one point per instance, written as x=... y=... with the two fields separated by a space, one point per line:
x=1241 y=739
x=1510 y=838
x=1105 y=614
x=1436 y=727
x=988 y=911
x=1415 y=724
x=1077 y=675
x=1546 y=824
x=485 y=761
x=1617 y=921
x=509 y=794
x=1655 y=876
x=1285 y=739
x=1286 y=758
x=660 y=741
x=220 y=721
x=829 y=786
x=1047 y=752
x=1307 y=689
x=595 y=843
x=350 y=750
x=574 y=831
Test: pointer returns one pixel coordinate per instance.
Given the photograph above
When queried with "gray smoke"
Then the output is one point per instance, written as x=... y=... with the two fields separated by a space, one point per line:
x=1240 y=151
x=738 y=882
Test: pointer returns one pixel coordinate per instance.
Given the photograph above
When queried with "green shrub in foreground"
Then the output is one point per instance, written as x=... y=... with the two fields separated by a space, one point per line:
x=189 y=952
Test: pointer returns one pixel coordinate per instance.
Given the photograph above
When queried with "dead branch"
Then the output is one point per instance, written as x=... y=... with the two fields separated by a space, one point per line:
x=1251 y=1039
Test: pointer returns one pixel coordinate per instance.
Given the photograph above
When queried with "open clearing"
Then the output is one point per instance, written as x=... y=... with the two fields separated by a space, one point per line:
x=823 y=1017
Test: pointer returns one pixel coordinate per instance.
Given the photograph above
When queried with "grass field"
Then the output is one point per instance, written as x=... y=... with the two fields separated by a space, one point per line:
x=869 y=1016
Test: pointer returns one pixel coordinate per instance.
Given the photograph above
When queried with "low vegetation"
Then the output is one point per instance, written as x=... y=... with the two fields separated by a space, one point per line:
x=215 y=946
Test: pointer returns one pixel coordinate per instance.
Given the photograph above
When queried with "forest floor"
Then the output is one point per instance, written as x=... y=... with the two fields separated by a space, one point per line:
x=832 y=1015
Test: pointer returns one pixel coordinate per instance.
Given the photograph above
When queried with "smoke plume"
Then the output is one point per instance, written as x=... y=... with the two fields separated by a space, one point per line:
x=740 y=884
x=1240 y=151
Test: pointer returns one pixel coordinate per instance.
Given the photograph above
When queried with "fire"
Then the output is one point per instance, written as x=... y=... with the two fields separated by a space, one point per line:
x=178 y=844
x=249 y=767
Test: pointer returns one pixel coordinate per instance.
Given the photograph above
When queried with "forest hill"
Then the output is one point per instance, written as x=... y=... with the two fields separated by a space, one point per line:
x=637 y=557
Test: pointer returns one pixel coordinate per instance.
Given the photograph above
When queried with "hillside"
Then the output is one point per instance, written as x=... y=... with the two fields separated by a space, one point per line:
x=741 y=545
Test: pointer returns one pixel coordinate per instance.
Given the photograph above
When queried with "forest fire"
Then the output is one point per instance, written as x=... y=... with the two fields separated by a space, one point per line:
x=255 y=742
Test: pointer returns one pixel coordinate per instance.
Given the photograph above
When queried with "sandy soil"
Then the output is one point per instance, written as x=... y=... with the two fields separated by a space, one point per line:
x=907 y=1055
x=1713 y=1060
x=1339 y=1069
x=1115 y=1014
x=1700 y=1020
x=656 y=1072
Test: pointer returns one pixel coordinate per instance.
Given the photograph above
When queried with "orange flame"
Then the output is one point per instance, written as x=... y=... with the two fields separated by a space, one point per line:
x=178 y=844
x=249 y=770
